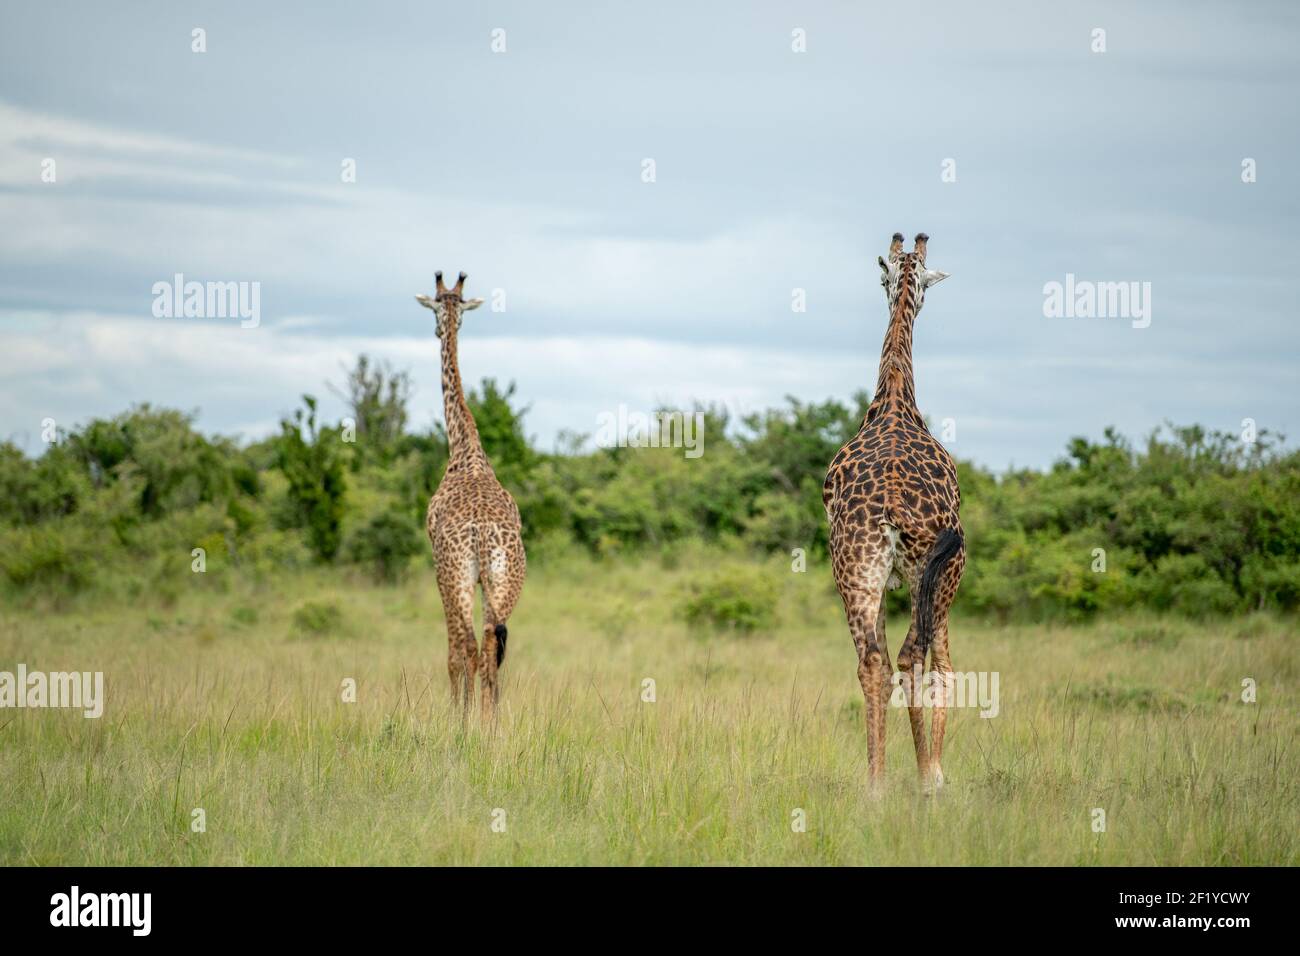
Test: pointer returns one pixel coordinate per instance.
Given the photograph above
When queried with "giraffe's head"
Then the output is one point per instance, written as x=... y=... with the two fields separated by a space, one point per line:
x=448 y=304
x=904 y=275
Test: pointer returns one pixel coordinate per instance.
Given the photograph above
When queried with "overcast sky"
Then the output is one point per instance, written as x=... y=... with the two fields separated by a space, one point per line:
x=774 y=170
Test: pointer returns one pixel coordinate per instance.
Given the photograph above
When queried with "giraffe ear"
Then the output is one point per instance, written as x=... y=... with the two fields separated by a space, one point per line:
x=933 y=277
x=470 y=305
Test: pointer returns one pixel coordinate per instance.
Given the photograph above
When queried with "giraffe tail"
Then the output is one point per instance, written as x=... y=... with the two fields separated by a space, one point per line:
x=491 y=559
x=946 y=546
x=500 y=632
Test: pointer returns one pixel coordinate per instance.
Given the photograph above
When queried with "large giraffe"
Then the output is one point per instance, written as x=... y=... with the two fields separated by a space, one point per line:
x=891 y=499
x=473 y=525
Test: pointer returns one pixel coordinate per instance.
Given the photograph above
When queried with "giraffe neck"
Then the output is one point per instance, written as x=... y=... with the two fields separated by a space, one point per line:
x=895 y=385
x=464 y=449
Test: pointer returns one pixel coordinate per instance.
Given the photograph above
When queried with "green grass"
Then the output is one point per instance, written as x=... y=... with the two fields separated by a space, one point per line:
x=227 y=697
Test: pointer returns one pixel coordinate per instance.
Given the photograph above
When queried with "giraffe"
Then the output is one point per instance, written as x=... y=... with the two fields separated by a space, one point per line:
x=473 y=526
x=891 y=500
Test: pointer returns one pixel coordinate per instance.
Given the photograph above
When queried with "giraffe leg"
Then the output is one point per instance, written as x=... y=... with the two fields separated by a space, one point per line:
x=455 y=661
x=462 y=652
x=471 y=663
x=941 y=666
x=886 y=685
x=942 y=673
x=911 y=666
x=863 y=611
x=488 y=666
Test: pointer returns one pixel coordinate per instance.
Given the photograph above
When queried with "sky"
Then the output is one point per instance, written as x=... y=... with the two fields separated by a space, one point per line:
x=788 y=141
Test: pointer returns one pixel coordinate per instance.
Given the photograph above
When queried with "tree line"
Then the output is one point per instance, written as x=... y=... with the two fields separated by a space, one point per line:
x=1188 y=520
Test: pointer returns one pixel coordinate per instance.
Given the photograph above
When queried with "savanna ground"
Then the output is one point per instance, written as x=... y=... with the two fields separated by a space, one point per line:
x=227 y=697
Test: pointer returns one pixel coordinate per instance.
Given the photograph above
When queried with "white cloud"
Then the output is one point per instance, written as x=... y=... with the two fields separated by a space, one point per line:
x=75 y=366
x=550 y=260
x=80 y=365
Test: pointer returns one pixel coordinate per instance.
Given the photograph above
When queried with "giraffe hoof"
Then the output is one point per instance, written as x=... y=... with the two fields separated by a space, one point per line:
x=932 y=783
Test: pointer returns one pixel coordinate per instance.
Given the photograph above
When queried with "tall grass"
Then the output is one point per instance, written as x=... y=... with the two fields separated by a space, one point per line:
x=222 y=699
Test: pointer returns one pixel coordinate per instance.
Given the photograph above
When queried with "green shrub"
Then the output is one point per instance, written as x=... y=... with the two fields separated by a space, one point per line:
x=56 y=558
x=782 y=521
x=387 y=543
x=1150 y=636
x=1186 y=583
x=1270 y=581
x=245 y=616
x=50 y=487
x=1117 y=697
x=734 y=599
x=1193 y=522
x=178 y=467
x=318 y=619
x=312 y=462
x=377 y=397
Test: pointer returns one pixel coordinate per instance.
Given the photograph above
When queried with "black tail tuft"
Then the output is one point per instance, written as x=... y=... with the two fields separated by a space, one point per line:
x=946 y=546
x=500 y=632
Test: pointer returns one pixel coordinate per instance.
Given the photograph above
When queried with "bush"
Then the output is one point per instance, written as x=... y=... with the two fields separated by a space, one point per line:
x=1186 y=583
x=735 y=599
x=178 y=467
x=387 y=543
x=30 y=491
x=782 y=522
x=54 y=557
x=1193 y=522
x=1116 y=697
x=318 y=619
x=1271 y=582
x=377 y=397
x=244 y=615
x=312 y=462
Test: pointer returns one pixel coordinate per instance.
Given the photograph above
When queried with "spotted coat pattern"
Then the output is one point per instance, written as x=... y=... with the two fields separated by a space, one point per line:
x=473 y=526
x=892 y=502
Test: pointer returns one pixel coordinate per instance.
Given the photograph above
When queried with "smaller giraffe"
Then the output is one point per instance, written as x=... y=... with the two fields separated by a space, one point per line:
x=473 y=526
x=892 y=501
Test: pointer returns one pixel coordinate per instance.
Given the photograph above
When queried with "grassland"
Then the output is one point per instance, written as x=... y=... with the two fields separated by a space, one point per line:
x=223 y=699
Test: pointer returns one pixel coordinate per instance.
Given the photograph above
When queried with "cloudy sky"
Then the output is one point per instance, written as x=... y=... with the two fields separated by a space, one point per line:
x=774 y=170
